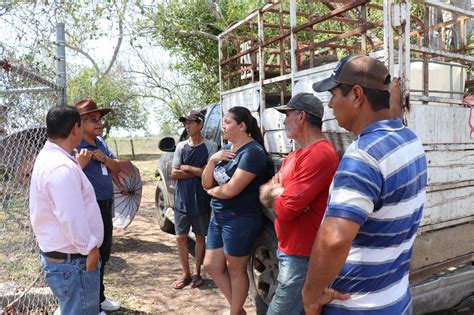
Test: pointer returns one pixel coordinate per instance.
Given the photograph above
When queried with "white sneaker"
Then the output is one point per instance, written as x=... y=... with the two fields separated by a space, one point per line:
x=109 y=305
x=58 y=312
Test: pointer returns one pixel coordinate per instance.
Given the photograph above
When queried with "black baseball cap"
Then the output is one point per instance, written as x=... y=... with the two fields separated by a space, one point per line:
x=306 y=102
x=193 y=115
x=360 y=70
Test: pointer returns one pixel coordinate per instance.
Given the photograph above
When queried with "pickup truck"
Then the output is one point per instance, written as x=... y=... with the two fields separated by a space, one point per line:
x=263 y=264
x=283 y=47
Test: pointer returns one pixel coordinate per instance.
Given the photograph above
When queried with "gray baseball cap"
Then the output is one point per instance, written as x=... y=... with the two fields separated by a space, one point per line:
x=305 y=102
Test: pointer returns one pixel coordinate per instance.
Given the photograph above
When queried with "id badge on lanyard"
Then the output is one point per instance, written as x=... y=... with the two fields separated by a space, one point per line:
x=104 y=169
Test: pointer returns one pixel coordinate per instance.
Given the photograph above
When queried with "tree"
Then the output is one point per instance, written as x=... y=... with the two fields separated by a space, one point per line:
x=84 y=22
x=170 y=93
x=106 y=80
x=189 y=29
x=115 y=90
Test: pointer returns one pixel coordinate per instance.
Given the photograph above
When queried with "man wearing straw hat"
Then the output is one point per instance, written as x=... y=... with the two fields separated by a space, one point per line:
x=99 y=164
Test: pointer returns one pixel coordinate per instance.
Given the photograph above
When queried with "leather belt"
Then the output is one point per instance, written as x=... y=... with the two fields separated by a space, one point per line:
x=65 y=256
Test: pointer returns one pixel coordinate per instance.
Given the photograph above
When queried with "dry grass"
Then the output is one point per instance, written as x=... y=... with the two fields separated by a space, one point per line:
x=144 y=148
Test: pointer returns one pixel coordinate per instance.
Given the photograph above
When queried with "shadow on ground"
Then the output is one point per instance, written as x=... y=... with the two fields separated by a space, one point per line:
x=145 y=263
x=127 y=311
x=131 y=244
x=116 y=264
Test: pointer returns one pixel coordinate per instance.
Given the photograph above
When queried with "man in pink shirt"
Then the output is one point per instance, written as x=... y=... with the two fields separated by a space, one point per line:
x=65 y=217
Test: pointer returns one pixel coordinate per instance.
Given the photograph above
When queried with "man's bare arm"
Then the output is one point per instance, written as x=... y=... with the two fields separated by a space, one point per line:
x=121 y=188
x=176 y=173
x=271 y=190
x=330 y=250
x=196 y=171
x=92 y=260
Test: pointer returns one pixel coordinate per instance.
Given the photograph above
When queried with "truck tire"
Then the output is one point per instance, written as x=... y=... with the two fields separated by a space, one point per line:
x=160 y=215
x=262 y=269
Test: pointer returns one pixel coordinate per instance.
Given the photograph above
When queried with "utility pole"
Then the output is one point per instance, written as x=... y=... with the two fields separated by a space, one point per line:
x=60 y=64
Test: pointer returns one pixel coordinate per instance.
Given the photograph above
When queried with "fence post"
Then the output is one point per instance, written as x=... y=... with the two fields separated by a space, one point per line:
x=133 y=150
x=3 y=120
x=116 y=149
x=60 y=64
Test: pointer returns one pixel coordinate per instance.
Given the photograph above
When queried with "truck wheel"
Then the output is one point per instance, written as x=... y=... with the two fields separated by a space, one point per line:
x=165 y=224
x=263 y=269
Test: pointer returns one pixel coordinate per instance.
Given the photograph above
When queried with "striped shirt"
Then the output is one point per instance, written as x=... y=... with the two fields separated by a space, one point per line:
x=381 y=185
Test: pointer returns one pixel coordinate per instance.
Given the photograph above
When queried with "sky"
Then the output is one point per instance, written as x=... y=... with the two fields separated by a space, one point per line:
x=97 y=47
x=102 y=50
x=13 y=35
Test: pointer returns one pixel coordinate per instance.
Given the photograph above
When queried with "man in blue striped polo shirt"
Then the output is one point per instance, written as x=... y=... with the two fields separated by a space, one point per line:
x=364 y=245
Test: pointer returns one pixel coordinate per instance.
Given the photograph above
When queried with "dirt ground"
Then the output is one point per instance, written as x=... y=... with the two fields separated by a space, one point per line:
x=144 y=263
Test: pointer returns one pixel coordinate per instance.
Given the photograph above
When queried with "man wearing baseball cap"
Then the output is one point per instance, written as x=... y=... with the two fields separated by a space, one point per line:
x=191 y=202
x=193 y=115
x=298 y=193
x=364 y=245
x=99 y=164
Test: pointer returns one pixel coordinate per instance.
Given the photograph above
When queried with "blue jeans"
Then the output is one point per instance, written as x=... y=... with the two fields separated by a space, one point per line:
x=76 y=289
x=291 y=275
x=409 y=310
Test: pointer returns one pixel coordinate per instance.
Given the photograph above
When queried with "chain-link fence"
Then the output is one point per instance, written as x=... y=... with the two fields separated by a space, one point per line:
x=24 y=101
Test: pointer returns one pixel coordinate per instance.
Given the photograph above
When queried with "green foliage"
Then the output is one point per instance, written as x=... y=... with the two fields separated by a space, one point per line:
x=188 y=29
x=183 y=99
x=114 y=91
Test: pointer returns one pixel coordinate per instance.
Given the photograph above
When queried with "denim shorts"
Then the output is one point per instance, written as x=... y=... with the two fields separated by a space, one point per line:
x=291 y=275
x=182 y=223
x=76 y=289
x=235 y=232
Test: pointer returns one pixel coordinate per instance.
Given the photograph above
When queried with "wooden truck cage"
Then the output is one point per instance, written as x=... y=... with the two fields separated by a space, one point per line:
x=285 y=46
x=284 y=37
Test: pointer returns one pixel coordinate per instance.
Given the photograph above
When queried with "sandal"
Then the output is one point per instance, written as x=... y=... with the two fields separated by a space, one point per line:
x=181 y=283
x=196 y=281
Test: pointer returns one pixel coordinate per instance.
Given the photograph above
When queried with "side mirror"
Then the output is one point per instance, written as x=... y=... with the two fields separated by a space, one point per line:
x=167 y=144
